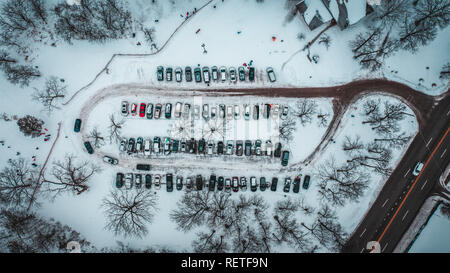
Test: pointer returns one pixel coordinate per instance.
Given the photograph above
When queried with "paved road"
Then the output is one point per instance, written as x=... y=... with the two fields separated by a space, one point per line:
x=403 y=194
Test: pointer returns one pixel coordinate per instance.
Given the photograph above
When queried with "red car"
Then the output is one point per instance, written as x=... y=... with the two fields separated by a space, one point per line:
x=133 y=109
x=142 y=110
x=235 y=184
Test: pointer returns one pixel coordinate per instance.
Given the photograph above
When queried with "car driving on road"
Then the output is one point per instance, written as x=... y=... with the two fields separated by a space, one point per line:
x=418 y=168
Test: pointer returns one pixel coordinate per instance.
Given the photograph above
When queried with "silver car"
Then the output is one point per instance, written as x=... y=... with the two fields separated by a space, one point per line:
x=223 y=73
x=124 y=110
x=110 y=160
x=232 y=74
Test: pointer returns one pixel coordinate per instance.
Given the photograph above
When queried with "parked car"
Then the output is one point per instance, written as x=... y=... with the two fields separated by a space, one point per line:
x=196 y=111
x=418 y=168
x=210 y=148
x=179 y=183
x=160 y=73
x=175 y=144
x=142 y=110
x=232 y=71
x=220 y=147
x=157 y=182
x=158 y=109
x=192 y=146
x=237 y=112
x=229 y=147
x=222 y=110
x=205 y=111
x=247 y=112
x=276 y=111
x=133 y=109
x=201 y=146
x=241 y=71
x=227 y=185
x=168 y=110
x=287 y=184
x=130 y=146
x=229 y=112
x=214 y=73
x=110 y=160
x=189 y=184
x=186 y=110
x=123 y=145
x=271 y=74
x=188 y=73
x=183 y=145
x=166 y=146
x=262 y=183
x=198 y=74
x=199 y=182
x=306 y=182
x=149 y=110
x=213 y=112
x=88 y=147
x=258 y=144
x=128 y=181
x=277 y=152
x=274 y=184
x=243 y=183
x=285 y=158
x=148 y=181
x=138 y=181
x=220 y=183
x=177 y=111
x=248 y=148
x=235 y=184
x=143 y=167
x=156 y=145
x=266 y=111
x=251 y=73
x=124 y=108
x=178 y=74
x=169 y=74
x=119 y=180
x=77 y=126
x=253 y=184
x=296 y=184
x=285 y=112
x=212 y=182
x=169 y=182
x=147 y=147
x=205 y=71
x=256 y=112
x=139 y=145
x=223 y=73
x=268 y=148
x=239 y=148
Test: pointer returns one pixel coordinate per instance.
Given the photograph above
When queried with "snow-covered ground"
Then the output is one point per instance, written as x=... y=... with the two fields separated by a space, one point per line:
x=234 y=32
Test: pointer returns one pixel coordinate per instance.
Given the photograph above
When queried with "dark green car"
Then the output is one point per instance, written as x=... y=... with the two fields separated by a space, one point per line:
x=169 y=182
x=119 y=180
x=251 y=73
x=88 y=147
x=273 y=186
x=201 y=146
x=77 y=126
x=262 y=183
x=285 y=158
x=277 y=152
x=148 y=181
x=220 y=183
x=198 y=74
x=306 y=182
x=212 y=182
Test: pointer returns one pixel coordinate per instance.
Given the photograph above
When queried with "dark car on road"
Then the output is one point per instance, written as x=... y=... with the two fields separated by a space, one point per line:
x=198 y=74
x=199 y=182
x=77 y=126
x=169 y=182
x=143 y=167
x=148 y=181
x=273 y=186
x=251 y=73
x=119 y=180
x=212 y=182
x=296 y=184
x=285 y=158
x=88 y=147
x=188 y=73
x=220 y=183
x=306 y=182
x=160 y=73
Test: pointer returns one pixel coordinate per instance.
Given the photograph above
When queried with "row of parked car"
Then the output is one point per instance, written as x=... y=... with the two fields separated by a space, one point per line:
x=166 y=146
x=199 y=183
x=213 y=74
x=207 y=112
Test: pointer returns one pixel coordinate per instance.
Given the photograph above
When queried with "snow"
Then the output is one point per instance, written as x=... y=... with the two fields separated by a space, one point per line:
x=314 y=8
x=435 y=237
x=356 y=10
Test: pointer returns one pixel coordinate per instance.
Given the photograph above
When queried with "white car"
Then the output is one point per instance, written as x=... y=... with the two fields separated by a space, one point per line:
x=213 y=112
x=205 y=112
x=237 y=113
x=157 y=182
x=187 y=110
x=230 y=147
x=271 y=74
x=128 y=180
x=178 y=73
x=223 y=73
x=123 y=145
x=285 y=112
x=210 y=148
x=110 y=160
x=232 y=74
x=247 y=112
x=124 y=111
x=269 y=148
x=229 y=112
x=147 y=147
x=275 y=111
x=222 y=110
x=417 y=169
x=196 y=111
x=178 y=107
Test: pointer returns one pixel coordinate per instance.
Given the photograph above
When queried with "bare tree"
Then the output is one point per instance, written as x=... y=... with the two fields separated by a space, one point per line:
x=30 y=126
x=387 y=122
x=70 y=176
x=325 y=40
x=17 y=183
x=211 y=242
x=395 y=140
x=322 y=118
x=352 y=145
x=53 y=92
x=214 y=129
x=129 y=212
x=287 y=129
x=445 y=72
x=371 y=107
x=96 y=138
x=305 y=109
x=115 y=129
x=391 y=12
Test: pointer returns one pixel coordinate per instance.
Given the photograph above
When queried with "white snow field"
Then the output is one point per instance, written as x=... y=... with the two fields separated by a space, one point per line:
x=233 y=32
